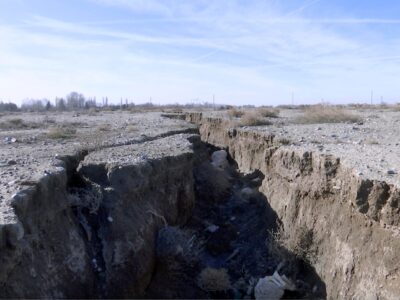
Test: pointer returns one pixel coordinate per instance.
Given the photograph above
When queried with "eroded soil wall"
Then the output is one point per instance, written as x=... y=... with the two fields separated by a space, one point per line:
x=91 y=232
x=354 y=222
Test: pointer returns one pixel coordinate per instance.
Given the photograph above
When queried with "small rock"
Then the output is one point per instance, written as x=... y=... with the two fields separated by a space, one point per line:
x=219 y=159
x=391 y=172
x=247 y=192
x=212 y=228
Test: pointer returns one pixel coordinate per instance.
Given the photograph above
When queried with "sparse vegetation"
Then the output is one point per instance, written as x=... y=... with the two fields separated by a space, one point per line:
x=212 y=280
x=61 y=132
x=284 y=141
x=371 y=141
x=268 y=112
x=327 y=114
x=131 y=128
x=48 y=120
x=253 y=118
x=17 y=123
x=93 y=111
x=292 y=244
x=396 y=107
x=104 y=127
x=235 y=113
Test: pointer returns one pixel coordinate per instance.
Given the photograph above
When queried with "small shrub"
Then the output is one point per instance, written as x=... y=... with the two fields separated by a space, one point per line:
x=292 y=244
x=284 y=141
x=18 y=123
x=253 y=118
x=93 y=111
x=235 y=113
x=213 y=280
x=396 y=107
x=61 y=132
x=371 y=141
x=131 y=128
x=268 y=112
x=327 y=114
x=104 y=127
x=48 y=120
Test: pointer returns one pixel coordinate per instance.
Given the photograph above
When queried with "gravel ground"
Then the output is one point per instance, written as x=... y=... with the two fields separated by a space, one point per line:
x=371 y=148
x=28 y=154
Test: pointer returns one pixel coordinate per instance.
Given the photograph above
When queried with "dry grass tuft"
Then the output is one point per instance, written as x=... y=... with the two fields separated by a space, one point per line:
x=253 y=118
x=371 y=141
x=235 y=113
x=131 y=128
x=104 y=127
x=61 y=132
x=396 y=107
x=212 y=280
x=93 y=111
x=327 y=114
x=292 y=244
x=18 y=123
x=268 y=112
x=284 y=141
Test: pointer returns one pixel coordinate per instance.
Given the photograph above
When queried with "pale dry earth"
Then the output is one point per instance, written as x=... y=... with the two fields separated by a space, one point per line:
x=340 y=181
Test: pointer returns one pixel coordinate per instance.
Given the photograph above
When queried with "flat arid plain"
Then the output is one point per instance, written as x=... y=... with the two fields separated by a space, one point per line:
x=295 y=202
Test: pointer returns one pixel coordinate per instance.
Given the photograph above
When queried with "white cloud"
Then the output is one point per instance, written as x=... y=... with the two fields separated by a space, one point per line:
x=242 y=53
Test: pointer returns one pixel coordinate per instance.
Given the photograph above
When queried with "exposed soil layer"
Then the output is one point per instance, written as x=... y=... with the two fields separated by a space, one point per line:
x=151 y=213
x=229 y=231
x=353 y=220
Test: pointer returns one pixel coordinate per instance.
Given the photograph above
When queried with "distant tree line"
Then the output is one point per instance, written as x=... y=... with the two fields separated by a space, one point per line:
x=77 y=101
x=73 y=101
x=8 y=106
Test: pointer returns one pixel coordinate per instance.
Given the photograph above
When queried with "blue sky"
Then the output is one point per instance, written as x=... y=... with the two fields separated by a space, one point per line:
x=244 y=52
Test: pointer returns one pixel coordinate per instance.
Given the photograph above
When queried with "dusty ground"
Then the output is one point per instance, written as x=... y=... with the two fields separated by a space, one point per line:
x=28 y=152
x=31 y=146
x=371 y=147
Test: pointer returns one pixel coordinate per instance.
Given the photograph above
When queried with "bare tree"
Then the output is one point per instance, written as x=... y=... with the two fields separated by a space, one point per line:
x=34 y=105
x=60 y=104
x=75 y=100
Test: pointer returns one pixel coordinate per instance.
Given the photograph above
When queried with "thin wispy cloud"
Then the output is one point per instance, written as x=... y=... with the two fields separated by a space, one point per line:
x=255 y=52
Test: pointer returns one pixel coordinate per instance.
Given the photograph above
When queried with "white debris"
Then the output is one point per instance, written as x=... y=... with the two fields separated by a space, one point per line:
x=273 y=287
x=247 y=192
x=212 y=228
x=110 y=219
x=219 y=159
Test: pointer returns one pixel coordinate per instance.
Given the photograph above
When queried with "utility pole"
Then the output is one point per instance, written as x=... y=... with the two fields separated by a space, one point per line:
x=213 y=101
x=372 y=96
